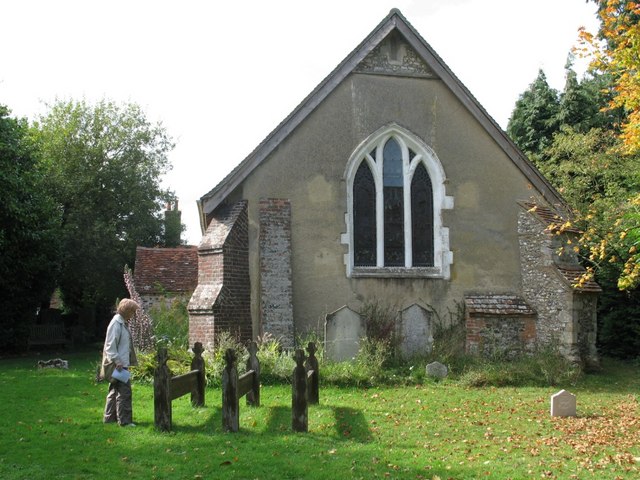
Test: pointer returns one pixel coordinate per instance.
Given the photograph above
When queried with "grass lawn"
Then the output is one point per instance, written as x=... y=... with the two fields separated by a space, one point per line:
x=50 y=424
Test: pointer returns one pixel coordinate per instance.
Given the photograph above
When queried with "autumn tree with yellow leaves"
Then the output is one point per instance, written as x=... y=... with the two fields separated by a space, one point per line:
x=590 y=150
x=615 y=51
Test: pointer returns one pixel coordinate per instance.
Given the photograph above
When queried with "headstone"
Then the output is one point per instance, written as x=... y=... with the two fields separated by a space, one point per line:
x=415 y=332
x=437 y=370
x=344 y=329
x=563 y=404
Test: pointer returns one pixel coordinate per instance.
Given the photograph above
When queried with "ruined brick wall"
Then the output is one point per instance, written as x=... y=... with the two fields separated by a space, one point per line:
x=221 y=301
x=276 y=292
x=499 y=325
x=506 y=337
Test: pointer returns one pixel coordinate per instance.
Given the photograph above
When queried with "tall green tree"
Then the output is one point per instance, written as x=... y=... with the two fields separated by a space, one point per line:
x=28 y=234
x=583 y=103
x=535 y=116
x=594 y=160
x=103 y=165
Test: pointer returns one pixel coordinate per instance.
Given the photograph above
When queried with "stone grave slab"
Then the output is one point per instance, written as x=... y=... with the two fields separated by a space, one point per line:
x=437 y=370
x=415 y=332
x=344 y=330
x=563 y=404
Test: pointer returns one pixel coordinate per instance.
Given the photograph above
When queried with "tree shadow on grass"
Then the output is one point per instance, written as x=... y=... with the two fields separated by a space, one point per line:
x=349 y=423
x=209 y=420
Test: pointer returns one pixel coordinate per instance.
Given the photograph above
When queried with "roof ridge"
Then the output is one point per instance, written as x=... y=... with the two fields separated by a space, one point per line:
x=394 y=20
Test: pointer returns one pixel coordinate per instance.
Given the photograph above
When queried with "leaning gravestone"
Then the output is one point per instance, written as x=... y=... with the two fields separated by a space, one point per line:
x=563 y=404
x=344 y=329
x=437 y=370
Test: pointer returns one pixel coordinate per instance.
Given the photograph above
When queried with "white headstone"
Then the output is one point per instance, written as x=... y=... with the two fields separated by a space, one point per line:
x=563 y=404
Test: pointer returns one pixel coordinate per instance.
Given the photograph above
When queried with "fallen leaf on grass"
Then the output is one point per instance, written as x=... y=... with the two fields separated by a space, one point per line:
x=617 y=428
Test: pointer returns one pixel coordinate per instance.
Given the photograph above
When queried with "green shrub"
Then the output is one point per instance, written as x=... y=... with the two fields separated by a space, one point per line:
x=171 y=323
x=215 y=362
x=370 y=367
x=380 y=320
x=545 y=367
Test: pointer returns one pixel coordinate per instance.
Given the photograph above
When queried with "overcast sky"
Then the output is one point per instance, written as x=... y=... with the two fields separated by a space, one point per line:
x=221 y=75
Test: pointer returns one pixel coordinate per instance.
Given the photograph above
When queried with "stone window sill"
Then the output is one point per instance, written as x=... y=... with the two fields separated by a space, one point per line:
x=396 y=272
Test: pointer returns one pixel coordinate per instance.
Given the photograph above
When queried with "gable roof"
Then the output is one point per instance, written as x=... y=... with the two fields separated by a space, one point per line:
x=166 y=270
x=393 y=21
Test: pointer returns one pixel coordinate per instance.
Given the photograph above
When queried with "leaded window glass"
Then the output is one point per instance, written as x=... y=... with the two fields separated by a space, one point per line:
x=393 y=180
x=364 y=217
x=396 y=192
x=422 y=218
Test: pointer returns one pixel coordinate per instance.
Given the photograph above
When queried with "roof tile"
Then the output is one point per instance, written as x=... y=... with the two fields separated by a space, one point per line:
x=170 y=270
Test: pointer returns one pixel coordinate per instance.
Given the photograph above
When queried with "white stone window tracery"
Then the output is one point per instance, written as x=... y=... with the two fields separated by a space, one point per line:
x=393 y=228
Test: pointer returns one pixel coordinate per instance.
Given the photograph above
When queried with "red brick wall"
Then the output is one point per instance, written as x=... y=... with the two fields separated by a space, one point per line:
x=221 y=301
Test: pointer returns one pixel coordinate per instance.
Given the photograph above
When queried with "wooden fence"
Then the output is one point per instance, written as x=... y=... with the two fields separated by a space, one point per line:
x=48 y=334
x=234 y=387
x=167 y=388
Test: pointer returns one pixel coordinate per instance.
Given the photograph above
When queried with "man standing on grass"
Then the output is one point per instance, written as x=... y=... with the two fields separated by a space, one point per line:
x=118 y=355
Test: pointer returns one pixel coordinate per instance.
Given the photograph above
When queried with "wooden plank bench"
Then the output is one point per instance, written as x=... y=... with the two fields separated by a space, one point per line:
x=167 y=388
x=234 y=387
x=47 y=334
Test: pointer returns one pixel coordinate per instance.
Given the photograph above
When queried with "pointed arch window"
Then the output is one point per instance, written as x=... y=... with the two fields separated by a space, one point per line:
x=422 y=218
x=396 y=194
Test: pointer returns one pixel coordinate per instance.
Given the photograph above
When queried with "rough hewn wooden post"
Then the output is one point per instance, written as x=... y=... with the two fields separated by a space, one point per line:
x=253 y=396
x=197 y=394
x=311 y=364
x=162 y=393
x=230 y=401
x=299 y=410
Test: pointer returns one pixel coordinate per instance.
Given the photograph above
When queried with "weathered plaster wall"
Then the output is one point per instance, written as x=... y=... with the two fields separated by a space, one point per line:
x=308 y=169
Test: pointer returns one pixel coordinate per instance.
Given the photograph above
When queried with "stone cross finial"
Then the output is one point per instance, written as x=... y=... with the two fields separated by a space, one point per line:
x=299 y=357
x=230 y=357
x=162 y=356
x=312 y=349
